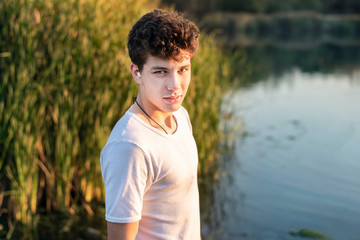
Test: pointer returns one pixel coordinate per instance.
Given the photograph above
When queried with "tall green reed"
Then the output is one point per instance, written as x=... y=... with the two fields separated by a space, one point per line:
x=64 y=84
x=210 y=80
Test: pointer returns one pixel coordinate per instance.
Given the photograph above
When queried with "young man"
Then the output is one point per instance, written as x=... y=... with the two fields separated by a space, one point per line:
x=149 y=163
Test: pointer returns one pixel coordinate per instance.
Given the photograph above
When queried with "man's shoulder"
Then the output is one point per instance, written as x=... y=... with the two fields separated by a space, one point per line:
x=124 y=136
x=126 y=129
x=131 y=129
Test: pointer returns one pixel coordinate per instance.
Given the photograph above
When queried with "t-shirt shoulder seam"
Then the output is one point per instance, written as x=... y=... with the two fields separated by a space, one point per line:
x=129 y=142
x=124 y=141
x=118 y=141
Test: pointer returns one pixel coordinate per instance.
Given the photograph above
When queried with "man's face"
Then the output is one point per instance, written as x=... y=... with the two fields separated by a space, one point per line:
x=163 y=83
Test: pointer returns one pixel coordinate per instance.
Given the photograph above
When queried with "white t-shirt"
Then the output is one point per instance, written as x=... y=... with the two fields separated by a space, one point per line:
x=152 y=177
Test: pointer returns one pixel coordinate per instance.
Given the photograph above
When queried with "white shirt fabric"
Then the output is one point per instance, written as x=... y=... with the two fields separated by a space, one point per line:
x=152 y=177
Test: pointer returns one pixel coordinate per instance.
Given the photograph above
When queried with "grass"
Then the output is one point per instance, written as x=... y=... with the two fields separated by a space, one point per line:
x=64 y=84
x=292 y=29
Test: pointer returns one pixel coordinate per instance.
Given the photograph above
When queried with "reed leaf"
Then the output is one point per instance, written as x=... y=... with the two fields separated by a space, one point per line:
x=64 y=84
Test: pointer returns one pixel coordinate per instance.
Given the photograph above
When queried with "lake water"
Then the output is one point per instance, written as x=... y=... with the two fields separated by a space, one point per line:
x=296 y=158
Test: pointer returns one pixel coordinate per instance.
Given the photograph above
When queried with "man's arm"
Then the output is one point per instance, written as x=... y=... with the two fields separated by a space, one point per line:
x=126 y=231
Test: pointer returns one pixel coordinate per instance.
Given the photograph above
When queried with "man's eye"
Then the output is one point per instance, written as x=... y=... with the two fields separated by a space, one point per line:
x=160 y=72
x=182 y=70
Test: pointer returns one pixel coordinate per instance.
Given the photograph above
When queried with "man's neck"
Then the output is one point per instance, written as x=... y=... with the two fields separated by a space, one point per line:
x=160 y=120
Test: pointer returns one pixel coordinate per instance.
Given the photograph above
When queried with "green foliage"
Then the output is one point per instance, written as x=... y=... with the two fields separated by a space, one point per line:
x=210 y=79
x=64 y=84
x=295 y=28
x=309 y=233
x=199 y=8
x=260 y=62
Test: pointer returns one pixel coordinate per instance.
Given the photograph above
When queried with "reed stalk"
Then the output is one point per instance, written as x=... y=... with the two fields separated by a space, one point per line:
x=64 y=84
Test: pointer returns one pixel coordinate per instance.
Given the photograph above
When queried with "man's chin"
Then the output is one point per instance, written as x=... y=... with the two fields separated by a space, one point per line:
x=173 y=108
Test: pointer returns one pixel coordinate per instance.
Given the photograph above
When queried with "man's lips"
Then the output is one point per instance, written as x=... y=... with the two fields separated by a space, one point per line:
x=173 y=98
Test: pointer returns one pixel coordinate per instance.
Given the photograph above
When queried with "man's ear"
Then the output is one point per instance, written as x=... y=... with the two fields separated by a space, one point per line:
x=135 y=71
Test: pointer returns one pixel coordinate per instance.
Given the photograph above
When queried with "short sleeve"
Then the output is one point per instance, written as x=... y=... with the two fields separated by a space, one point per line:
x=125 y=171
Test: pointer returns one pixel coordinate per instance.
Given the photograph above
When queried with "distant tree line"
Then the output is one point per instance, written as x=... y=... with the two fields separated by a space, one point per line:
x=200 y=7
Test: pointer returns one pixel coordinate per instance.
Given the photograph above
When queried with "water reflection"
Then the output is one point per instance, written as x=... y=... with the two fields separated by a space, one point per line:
x=295 y=163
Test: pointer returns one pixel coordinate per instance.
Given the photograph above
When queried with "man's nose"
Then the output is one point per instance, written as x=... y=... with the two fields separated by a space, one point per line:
x=174 y=82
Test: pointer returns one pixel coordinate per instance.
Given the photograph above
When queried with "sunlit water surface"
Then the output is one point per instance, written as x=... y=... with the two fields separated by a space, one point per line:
x=296 y=162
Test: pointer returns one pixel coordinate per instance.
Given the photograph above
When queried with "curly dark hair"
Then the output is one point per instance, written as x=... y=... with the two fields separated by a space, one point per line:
x=163 y=35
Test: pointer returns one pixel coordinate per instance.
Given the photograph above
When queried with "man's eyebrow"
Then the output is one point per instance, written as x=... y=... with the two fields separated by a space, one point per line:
x=186 y=65
x=158 y=67
x=165 y=68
